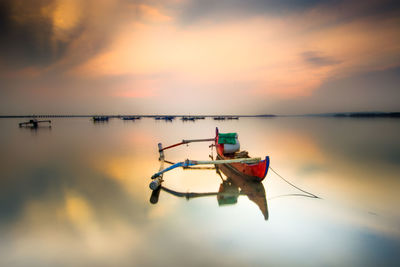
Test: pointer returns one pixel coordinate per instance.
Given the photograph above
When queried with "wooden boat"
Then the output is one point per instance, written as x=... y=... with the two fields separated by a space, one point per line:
x=252 y=171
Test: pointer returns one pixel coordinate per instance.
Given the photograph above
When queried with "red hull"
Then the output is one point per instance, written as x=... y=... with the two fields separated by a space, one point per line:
x=255 y=172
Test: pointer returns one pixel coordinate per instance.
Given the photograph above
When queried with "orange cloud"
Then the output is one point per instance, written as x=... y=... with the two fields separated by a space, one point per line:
x=152 y=14
x=264 y=53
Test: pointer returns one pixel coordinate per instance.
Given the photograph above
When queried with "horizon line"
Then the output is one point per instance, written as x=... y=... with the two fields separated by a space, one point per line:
x=327 y=114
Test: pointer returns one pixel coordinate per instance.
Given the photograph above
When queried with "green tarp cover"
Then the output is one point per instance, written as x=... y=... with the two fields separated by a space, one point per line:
x=227 y=138
x=227 y=200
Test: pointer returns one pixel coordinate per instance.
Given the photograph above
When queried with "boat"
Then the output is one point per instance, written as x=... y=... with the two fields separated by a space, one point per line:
x=228 y=154
x=219 y=118
x=130 y=118
x=253 y=171
x=33 y=123
x=186 y=118
x=100 y=118
x=165 y=118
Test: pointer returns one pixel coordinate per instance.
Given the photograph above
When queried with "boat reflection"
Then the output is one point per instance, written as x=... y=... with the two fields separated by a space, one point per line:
x=232 y=186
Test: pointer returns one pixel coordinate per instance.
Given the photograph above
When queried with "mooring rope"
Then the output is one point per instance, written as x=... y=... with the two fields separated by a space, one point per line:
x=311 y=194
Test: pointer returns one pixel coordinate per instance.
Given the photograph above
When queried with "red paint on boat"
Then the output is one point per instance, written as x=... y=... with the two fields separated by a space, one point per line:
x=256 y=172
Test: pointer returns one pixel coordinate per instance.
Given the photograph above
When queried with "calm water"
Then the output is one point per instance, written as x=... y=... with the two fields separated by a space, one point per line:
x=77 y=195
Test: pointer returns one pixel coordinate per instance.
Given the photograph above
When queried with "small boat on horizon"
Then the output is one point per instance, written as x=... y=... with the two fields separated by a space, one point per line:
x=131 y=118
x=165 y=118
x=186 y=118
x=100 y=118
x=219 y=118
x=33 y=123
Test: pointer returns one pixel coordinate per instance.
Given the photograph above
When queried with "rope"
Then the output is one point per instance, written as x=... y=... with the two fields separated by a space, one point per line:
x=311 y=194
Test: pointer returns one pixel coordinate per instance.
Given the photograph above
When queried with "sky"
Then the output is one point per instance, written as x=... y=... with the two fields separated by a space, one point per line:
x=198 y=56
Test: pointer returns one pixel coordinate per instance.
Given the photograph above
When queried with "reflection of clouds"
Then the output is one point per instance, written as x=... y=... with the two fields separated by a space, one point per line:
x=79 y=213
x=45 y=239
x=348 y=162
x=77 y=209
x=82 y=199
x=84 y=192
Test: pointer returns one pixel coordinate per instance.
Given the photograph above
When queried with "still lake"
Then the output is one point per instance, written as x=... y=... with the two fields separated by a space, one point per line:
x=77 y=194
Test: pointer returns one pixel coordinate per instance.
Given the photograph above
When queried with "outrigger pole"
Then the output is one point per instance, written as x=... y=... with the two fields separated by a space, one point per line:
x=157 y=177
x=186 y=142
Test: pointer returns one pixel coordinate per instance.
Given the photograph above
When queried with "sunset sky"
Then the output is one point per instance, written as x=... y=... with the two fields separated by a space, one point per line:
x=198 y=56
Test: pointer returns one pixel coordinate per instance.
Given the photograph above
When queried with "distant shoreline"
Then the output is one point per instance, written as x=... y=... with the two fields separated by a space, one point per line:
x=334 y=115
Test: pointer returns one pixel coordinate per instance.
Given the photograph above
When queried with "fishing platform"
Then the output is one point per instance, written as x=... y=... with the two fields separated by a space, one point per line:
x=33 y=123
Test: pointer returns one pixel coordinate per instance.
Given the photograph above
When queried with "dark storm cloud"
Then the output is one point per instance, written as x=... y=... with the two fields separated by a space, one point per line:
x=199 y=9
x=316 y=59
x=25 y=34
x=30 y=35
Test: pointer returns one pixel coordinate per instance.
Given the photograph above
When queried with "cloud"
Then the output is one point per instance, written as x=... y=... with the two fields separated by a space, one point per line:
x=44 y=33
x=197 y=10
x=26 y=33
x=316 y=59
x=262 y=51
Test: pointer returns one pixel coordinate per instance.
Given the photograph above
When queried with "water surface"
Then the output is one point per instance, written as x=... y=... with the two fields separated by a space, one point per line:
x=77 y=194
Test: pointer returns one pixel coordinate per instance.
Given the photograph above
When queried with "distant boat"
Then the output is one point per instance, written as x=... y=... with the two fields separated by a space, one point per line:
x=199 y=117
x=186 y=118
x=232 y=118
x=33 y=123
x=219 y=118
x=130 y=118
x=165 y=118
x=100 y=118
